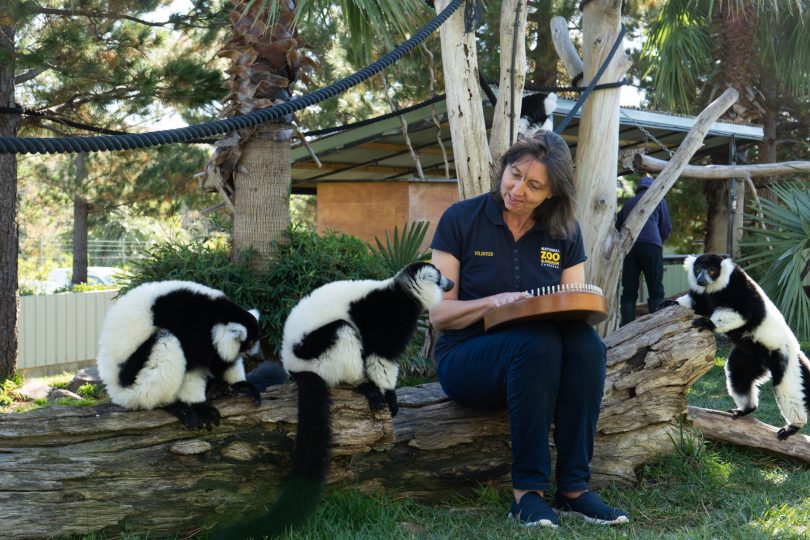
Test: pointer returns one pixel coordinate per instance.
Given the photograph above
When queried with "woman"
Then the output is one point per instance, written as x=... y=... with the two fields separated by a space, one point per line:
x=522 y=236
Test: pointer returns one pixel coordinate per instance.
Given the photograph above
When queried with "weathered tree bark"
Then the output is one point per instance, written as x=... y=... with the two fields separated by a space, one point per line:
x=9 y=123
x=750 y=432
x=464 y=109
x=81 y=213
x=76 y=470
x=598 y=140
x=513 y=76
x=261 y=182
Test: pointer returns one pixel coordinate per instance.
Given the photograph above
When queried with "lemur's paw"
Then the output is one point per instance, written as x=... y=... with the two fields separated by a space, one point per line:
x=184 y=413
x=375 y=398
x=702 y=323
x=738 y=413
x=391 y=399
x=375 y=403
x=207 y=415
x=244 y=388
x=786 y=432
x=668 y=303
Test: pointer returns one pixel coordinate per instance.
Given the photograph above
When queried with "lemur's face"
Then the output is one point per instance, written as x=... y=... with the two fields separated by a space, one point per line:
x=431 y=274
x=708 y=273
x=426 y=282
x=706 y=269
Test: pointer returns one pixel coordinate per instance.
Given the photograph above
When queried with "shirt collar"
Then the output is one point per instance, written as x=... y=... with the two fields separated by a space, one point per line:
x=496 y=217
x=493 y=212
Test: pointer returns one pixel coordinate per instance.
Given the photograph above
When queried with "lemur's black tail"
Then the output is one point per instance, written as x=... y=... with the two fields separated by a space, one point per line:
x=311 y=455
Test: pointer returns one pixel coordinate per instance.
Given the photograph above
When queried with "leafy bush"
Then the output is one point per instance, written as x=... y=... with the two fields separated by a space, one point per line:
x=90 y=391
x=7 y=390
x=304 y=260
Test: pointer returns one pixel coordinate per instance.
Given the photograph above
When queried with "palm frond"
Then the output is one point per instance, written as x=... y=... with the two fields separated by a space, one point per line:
x=679 y=50
x=783 y=251
x=404 y=249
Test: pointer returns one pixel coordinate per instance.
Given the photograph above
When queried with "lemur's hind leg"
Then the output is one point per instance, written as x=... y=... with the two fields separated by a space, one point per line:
x=791 y=383
x=192 y=408
x=744 y=373
x=383 y=374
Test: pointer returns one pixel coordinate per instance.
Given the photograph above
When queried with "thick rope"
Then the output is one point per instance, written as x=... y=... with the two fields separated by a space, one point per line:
x=38 y=145
x=560 y=128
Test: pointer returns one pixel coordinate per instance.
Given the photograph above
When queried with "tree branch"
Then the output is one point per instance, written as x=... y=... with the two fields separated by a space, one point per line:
x=748 y=431
x=717 y=172
x=97 y=15
x=28 y=75
x=673 y=169
x=565 y=47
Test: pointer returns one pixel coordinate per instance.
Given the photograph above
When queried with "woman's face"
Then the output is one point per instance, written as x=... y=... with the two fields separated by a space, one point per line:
x=525 y=186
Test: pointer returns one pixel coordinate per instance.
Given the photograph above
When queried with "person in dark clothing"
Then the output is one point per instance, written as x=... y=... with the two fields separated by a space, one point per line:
x=495 y=247
x=646 y=256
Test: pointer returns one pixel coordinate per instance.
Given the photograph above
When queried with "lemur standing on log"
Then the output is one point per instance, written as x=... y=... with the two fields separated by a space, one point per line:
x=344 y=332
x=730 y=302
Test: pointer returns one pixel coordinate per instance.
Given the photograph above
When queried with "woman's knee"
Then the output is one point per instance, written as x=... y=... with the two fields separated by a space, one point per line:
x=536 y=347
x=581 y=343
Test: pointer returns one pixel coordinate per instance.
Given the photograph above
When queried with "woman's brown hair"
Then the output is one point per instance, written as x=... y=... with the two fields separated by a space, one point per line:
x=558 y=213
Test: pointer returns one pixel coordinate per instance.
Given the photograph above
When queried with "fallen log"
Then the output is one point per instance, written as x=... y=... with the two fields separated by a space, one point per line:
x=748 y=431
x=78 y=470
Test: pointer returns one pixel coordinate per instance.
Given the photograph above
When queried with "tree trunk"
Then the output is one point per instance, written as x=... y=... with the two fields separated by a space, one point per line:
x=598 y=142
x=78 y=470
x=262 y=191
x=767 y=148
x=716 y=239
x=81 y=210
x=9 y=123
x=465 y=112
x=513 y=77
x=737 y=26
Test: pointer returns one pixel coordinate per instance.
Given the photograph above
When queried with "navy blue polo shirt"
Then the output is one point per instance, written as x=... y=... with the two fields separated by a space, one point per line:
x=492 y=262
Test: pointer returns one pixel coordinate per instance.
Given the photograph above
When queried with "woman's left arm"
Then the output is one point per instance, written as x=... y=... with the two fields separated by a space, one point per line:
x=573 y=274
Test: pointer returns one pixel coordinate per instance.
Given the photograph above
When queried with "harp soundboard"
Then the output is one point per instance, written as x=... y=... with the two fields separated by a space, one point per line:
x=569 y=302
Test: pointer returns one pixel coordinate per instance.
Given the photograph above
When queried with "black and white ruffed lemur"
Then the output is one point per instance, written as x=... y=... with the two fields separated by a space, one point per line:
x=730 y=302
x=163 y=342
x=351 y=332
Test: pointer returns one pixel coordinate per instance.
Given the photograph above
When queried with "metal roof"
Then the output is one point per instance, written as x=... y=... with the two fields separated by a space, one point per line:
x=376 y=149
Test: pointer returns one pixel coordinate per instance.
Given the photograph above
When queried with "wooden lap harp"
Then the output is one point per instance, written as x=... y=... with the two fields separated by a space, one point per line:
x=569 y=302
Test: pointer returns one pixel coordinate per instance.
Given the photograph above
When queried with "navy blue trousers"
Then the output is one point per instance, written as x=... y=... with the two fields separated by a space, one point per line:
x=647 y=259
x=541 y=372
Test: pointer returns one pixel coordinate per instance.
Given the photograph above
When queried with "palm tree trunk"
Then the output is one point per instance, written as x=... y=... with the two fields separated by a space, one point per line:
x=767 y=148
x=262 y=191
x=9 y=123
x=738 y=24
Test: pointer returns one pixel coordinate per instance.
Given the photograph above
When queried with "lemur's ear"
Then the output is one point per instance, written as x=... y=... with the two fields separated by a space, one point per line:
x=254 y=312
x=689 y=262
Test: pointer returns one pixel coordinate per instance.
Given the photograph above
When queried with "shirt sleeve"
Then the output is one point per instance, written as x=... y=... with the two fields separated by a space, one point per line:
x=574 y=250
x=664 y=223
x=447 y=237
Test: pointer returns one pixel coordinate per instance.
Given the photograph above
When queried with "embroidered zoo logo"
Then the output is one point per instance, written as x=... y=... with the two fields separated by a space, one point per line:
x=550 y=257
x=484 y=253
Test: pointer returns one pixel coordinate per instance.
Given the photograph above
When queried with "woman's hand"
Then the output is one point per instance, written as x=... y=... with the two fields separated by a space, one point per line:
x=500 y=299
